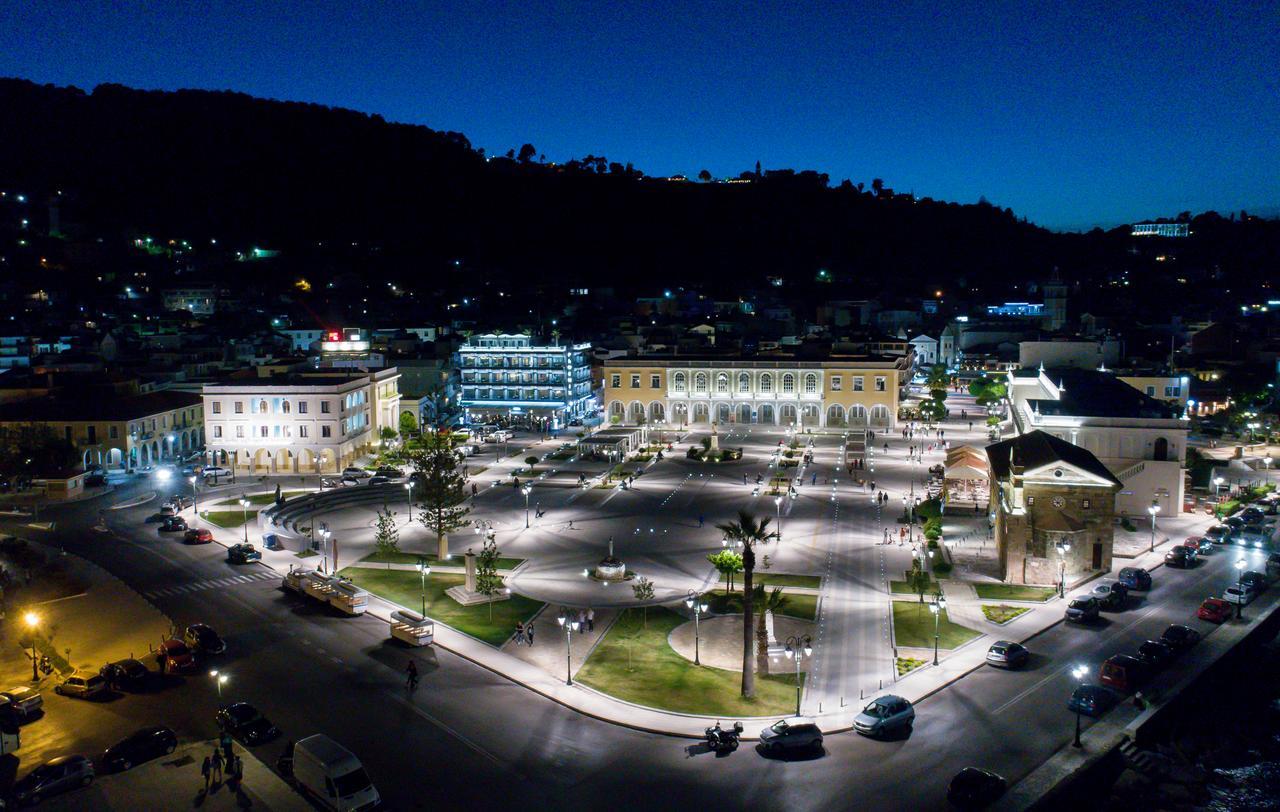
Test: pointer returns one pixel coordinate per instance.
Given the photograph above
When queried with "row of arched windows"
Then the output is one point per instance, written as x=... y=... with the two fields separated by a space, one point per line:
x=786 y=382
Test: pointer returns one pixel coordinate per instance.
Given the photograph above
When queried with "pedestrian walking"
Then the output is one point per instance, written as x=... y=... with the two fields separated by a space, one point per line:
x=519 y=633
x=528 y=634
x=582 y=621
x=473 y=489
x=205 y=769
x=236 y=767
x=814 y=481
x=411 y=675
x=701 y=521
x=571 y=524
x=215 y=765
x=591 y=619
x=227 y=752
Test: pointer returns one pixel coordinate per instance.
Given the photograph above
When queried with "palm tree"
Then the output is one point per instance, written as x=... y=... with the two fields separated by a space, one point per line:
x=748 y=532
x=770 y=602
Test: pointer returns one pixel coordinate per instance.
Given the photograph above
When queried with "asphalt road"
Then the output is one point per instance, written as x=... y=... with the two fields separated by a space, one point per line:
x=467 y=738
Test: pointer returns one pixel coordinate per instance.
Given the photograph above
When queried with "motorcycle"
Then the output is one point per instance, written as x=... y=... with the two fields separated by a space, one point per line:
x=724 y=741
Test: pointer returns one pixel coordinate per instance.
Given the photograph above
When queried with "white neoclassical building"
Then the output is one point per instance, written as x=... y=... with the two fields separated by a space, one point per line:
x=307 y=423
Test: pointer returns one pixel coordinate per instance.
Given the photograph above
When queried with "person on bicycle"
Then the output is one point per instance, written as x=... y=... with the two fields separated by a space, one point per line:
x=412 y=672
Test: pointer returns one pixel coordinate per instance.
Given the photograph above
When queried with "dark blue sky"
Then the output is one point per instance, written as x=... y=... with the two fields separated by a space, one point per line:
x=1072 y=114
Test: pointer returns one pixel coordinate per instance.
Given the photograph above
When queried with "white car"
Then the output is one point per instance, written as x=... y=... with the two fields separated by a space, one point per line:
x=214 y=470
x=1242 y=594
x=358 y=473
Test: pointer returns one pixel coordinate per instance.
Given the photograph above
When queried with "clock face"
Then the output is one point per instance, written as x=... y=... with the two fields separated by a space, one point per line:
x=1058 y=501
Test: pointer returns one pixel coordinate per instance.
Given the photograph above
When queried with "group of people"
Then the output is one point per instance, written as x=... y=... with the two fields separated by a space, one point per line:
x=524 y=633
x=225 y=758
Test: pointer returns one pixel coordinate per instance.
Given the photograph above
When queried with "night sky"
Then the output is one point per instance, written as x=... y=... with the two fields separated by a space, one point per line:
x=1072 y=114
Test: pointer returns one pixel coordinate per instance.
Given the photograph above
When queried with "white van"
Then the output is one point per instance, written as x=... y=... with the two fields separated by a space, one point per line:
x=330 y=773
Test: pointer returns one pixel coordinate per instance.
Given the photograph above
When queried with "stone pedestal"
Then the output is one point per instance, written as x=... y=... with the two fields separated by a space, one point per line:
x=466 y=594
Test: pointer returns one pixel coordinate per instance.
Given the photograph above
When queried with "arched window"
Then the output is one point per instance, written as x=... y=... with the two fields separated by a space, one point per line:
x=766 y=382
x=1161 y=451
x=677 y=382
x=722 y=383
x=262 y=406
x=700 y=382
x=810 y=384
x=744 y=382
x=788 y=383
x=284 y=406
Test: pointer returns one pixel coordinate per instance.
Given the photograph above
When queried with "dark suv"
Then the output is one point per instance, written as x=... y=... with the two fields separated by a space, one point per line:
x=54 y=777
x=142 y=745
x=1135 y=578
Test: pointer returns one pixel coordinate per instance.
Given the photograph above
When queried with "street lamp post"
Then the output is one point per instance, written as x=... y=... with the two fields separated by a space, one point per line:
x=408 y=486
x=244 y=511
x=939 y=604
x=569 y=626
x=324 y=547
x=1063 y=548
x=777 y=503
x=33 y=620
x=195 y=497
x=795 y=647
x=698 y=607
x=1153 y=510
x=1217 y=486
x=525 y=490
x=424 y=569
x=1240 y=565
x=1078 y=672
x=218 y=679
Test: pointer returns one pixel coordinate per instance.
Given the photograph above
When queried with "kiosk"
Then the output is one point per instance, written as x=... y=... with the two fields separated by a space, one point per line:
x=412 y=628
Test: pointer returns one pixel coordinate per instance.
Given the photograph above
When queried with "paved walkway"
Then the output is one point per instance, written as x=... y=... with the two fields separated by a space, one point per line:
x=548 y=649
x=174 y=782
x=721 y=640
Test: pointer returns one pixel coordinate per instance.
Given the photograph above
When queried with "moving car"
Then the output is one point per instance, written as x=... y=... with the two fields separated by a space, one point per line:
x=22 y=703
x=173 y=524
x=1177 y=557
x=793 y=733
x=1214 y=610
x=243 y=554
x=1124 y=673
x=139 y=746
x=214 y=471
x=1156 y=653
x=243 y=721
x=54 y=777
x=84 y=684
x=885 y=715
x=174 y=657
x=198 y=535
x=124 y=672
x=1007 y=654
x=204 y=639
x=330 y=773
x=1250 y=537
x=1082 y=610
x=379 y=480
x=1092 y=700
x=1110 y=594
x=1135 y=578
x=972 y=788
x=1180 y=637
x=358 y=473
x=390 y=473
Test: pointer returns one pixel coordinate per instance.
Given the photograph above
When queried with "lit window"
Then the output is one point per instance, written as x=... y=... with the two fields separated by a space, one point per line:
x=766 y=382
x=677 y=382
x=655 y=381
x=880 y=382
x=835 y=383
x=810 y=384
x=615 y=381
x=635 y=381
x=788 y=383
x=857 y=383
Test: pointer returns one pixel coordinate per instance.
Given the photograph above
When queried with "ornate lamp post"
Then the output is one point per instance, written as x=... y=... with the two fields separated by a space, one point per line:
x=1079 y=673
x=569 y=626
x=195 y=497
x=698 y=606
x=32 y=620
x=1153 y=510
x=408 y=486
x=424 y=569
x=525 y=490
x=244 y=511
x=1240 y=565
x=938 y=605
x=1063 y=547
x=796 y=646
x=777 y=503
x=218 y=679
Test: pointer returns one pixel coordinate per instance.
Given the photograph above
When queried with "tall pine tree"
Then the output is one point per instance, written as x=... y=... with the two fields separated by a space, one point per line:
x=439 y=485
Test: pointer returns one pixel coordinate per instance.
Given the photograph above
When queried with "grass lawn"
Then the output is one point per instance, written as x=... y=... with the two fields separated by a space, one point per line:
x=227 y=519
x=403 y=557
x=261 y=498
x=653 y=674
x=804 y=607
x=1002 y=613
x=404 y=587
x=904 y=588
x=913 y=627
x=1014 y=592
x=780 y=579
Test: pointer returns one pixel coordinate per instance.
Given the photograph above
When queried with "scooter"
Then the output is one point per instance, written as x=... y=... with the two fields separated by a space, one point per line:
x=724 y=741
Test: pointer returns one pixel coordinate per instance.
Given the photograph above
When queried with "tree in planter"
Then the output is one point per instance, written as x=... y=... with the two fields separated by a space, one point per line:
x=386 y=536
x=768 y=602
x=643 y=590
x=729 y=563
x=750 y=532
x=918 y=579
x=530 y=461
x=439 y=487
x=488 y=582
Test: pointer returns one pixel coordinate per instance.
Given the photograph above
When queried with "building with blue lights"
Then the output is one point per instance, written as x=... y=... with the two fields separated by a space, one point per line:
x=508 y=377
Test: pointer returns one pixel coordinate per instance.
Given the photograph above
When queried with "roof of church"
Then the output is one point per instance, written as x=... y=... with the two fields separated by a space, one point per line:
x=1037 y=449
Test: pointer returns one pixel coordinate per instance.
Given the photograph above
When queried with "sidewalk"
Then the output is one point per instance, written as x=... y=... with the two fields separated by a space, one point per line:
x=548 y=649
x=174 y=782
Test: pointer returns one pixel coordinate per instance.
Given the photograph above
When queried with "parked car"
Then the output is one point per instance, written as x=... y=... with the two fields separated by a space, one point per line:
x=1083 y=609
x=1253 y=537
x=1007 y=654
x=167 y=510
x=379 y=480
x=54 y=777
x=124 y=672
x=1193 y=552
x=198 y=535
x=885 y=715
x=243 y=721
x=1092 y=700
x=1135 y=578
x=329 y=772
x=1256 y=580
x=358 y=473
x=792 y=733
x=95 y=480
x=138 y=747
x=243 y=554
x=390 y=473
x=347 y=479
x=1234 y=522
x=1180 y=637
x=22 y=703
x=1273 y=565
x=1110 y=594
x=174 y=657
x=1242 y=594
x=1177 y=557
x=180 y=501
x=972 y=788
x=202 y=638
x=173 y=524
x=1204 y=546
x=83 y=684
x=1124 y=673
x=1218 y=533
x=1214 y=610
x=212 y=471
x=1156 y=653
x=1251 y=514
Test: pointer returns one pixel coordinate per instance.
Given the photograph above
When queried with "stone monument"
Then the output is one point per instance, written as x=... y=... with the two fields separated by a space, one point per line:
x=715 y=438
x=611 y=568
x=466 y=593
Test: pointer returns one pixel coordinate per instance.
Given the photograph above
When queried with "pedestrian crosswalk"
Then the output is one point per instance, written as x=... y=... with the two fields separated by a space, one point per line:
x=211 y=583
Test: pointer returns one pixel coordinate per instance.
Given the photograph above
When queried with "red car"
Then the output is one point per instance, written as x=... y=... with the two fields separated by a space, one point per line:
x=1214 y=610
x=198 y=536
x=174 y=657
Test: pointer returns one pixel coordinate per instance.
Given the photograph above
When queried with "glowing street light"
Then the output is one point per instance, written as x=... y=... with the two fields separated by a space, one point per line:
x=570 y=626
x=525 y=490
x=777 y=503
x=698 y=606
x=1153 y=510
x=795 y=647
x=1078 y=673
x=424 y=569
x=32 y=620
x=244 y=511
x=218 y=680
